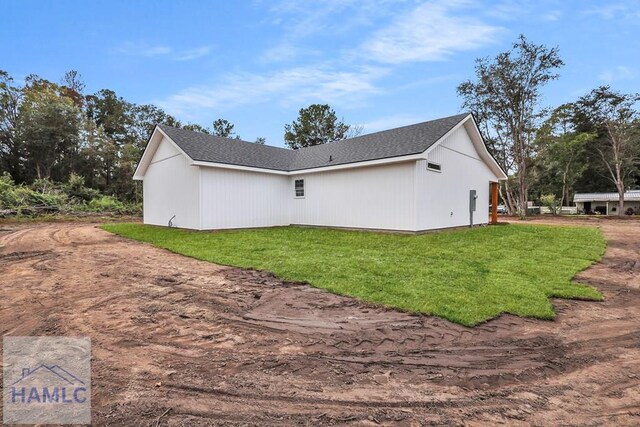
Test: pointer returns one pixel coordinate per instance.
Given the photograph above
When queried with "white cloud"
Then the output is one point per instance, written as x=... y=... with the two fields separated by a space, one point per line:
x=155 y=51
x=303 y=18
x=430 y=32
x=287 y=87
x=189 y=54
x=304 y=23
x=279 y=53
x=629 y=10
x=161 y=51
x=552 y=16
x=508 y=10
x=619 y=72
x=349 y=75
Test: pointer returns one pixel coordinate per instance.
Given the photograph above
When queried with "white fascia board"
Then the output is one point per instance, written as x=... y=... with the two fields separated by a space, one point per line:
x=478 y=142
x=443 y=137
x=150 y=150
x=175 y=145
x=388 y=160
x=238 y=167
x=398 y=159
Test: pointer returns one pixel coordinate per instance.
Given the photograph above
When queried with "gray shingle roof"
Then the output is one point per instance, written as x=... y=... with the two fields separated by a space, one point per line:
x=402 y=141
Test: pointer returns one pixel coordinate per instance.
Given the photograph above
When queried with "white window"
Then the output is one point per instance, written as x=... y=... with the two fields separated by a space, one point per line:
x=299 y=186
x=436 y=167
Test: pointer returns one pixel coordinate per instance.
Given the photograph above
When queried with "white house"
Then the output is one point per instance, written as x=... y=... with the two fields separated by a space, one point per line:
x=412 y=178
x=607 y=203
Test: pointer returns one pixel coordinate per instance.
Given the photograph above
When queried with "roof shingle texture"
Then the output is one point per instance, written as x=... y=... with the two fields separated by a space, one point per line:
x=402 y=141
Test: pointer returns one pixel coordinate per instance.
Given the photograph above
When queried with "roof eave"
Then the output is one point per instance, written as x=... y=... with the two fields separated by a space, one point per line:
x=478 y=142
x=366 y=163
x=150 y=149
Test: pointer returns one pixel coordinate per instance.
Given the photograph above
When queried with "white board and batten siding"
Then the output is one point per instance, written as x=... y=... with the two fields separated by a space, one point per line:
x=243 y=199
x=400 y=196
x=378 y=197
x=442 y=198
x=171 y=187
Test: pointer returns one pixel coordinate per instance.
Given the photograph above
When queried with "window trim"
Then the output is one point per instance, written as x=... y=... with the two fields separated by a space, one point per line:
x=295 y=188
x=430 y=167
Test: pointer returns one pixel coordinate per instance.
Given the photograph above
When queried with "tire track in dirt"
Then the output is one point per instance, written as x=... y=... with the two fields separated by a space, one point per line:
x=220 y=345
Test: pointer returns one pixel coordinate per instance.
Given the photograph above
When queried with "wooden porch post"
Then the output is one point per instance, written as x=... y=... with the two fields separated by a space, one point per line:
x=494 y=203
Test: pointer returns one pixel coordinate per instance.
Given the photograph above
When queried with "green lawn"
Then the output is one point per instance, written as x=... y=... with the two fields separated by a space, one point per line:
x=466 y=276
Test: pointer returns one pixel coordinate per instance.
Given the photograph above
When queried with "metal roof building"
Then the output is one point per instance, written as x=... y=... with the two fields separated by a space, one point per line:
x=607 y=203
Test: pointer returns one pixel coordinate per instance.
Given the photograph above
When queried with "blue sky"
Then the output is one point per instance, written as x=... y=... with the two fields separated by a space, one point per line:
x=256 y=63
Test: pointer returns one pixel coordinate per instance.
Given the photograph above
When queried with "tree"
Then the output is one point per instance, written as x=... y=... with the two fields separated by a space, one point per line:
x=261 y=140
x=223 y=128
x=197 y=128
x=315 y=125
x=113 y=116
x=73 y=86
x=143 y=119
x=561 y=152
x=48 y=129
x=505 y=99
x=550 y=201
x=10 y=100
x=354 y=130
x=110 y=112
x=614 y=116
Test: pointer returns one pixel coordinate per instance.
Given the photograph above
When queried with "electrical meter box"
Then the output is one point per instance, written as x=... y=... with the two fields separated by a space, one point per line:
x=472 y=200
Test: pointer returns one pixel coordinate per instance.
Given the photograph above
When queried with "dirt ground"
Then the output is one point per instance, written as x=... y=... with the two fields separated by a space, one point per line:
x=216 y=345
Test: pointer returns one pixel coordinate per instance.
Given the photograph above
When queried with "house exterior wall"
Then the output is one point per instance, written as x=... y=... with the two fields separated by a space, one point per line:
x=171 y=187
x=403 y=196
x=242 y=199
x=442 y=198
x=378 y=197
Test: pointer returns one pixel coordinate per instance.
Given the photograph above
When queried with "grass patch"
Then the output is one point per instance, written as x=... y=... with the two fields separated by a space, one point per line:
x=466 y=276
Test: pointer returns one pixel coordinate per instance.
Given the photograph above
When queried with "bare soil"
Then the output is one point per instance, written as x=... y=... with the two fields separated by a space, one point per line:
x=182 y=342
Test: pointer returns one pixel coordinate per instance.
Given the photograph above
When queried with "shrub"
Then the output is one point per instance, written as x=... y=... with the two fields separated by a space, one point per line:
x=106 y=204
x=45 y=196
x=7 y=192
x=44 y=185
x=29 y=198
x=77 y=191
x=550 y=201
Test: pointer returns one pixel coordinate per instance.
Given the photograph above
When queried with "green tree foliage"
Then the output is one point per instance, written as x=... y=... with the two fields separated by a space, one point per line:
x=561 y=155
x=550 y=201
x=223 y=128
x=615 y=119
x=118 y=133
x=197 y=128
x=315 y=125
x=505 y=98
x=73 y=86
x=48 y=129
x=53 y=131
